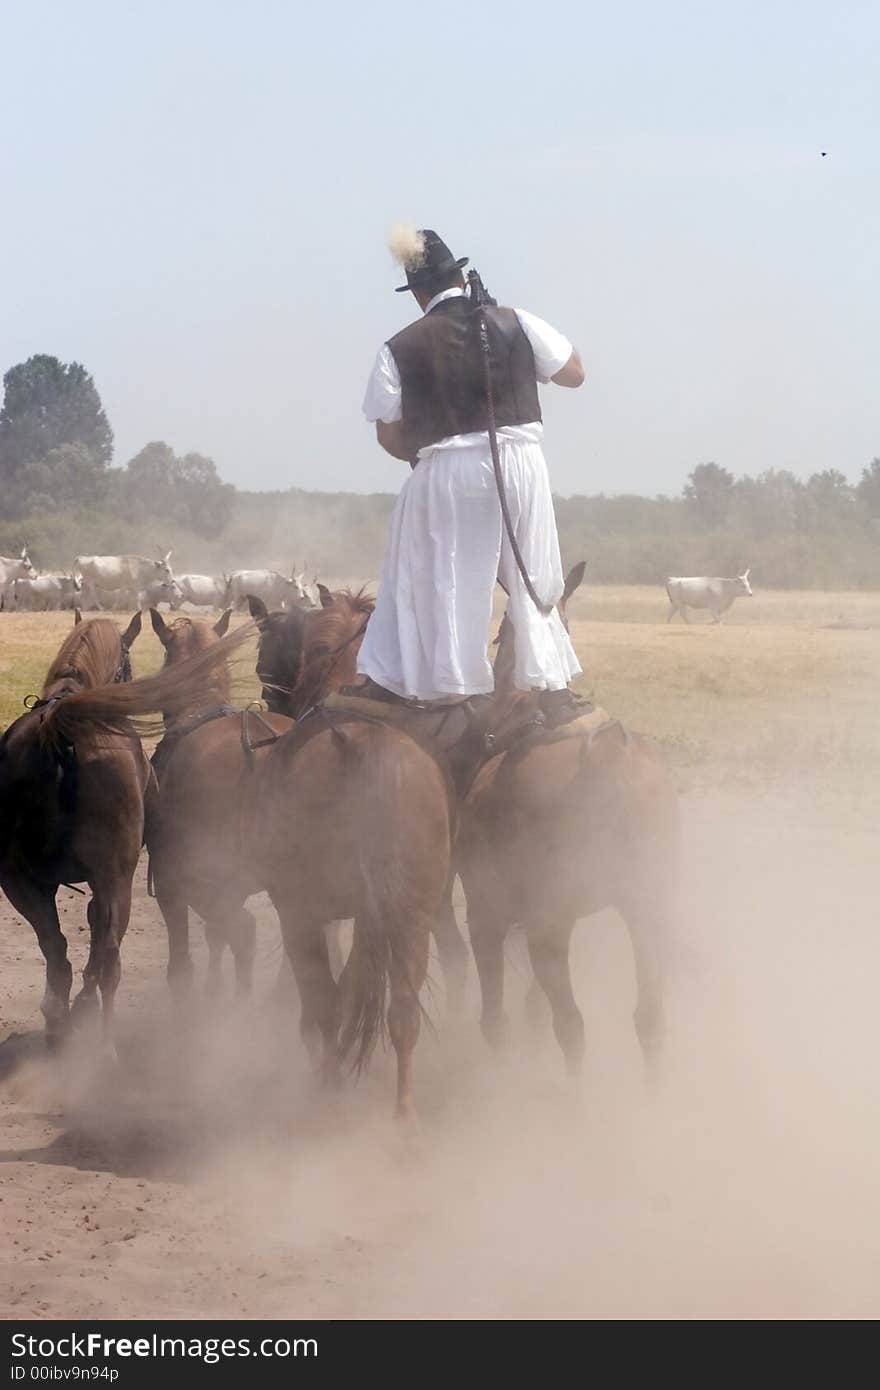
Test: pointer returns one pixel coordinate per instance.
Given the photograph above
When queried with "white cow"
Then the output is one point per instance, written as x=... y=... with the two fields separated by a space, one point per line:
x=269 y=585
x=46 y=591
x=715 y=594
x=10 y=570
x=202 y=590
x=159 y=591
x=132 y=572
x=126 y=600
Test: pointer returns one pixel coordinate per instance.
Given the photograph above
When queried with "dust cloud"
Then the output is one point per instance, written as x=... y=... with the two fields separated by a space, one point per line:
x=207 y=1176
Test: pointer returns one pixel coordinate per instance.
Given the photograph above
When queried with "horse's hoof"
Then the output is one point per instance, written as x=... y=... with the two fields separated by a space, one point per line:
x=408 y=1134
x=56 y=1036
x=84 y=1010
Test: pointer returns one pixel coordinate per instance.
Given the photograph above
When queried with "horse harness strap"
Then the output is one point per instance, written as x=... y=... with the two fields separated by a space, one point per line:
x=250 y=745
x=195 y=721
x=163 y=750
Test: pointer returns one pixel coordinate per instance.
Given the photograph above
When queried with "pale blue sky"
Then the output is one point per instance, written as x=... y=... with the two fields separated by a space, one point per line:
x=195 y=198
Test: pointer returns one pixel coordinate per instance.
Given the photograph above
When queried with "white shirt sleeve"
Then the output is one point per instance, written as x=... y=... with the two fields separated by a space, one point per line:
x=552 y=350
x=383 y=400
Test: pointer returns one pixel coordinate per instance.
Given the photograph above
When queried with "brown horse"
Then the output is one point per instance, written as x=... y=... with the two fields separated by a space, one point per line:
x=304 y=655
x=193 y=834
x=72 y=811
x=348 y=818
x=192 y=831
x=558 y=828
x=299 y=663
x=72 y=784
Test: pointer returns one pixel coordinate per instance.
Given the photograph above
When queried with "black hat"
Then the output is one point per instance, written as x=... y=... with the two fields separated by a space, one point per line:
x=436 y=261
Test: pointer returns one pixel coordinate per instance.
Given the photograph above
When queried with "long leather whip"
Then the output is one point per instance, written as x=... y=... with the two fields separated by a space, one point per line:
x=545 y=609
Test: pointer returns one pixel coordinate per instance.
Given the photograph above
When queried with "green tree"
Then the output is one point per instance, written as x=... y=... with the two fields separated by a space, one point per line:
x=869 y=488
x=187 y=490
x=709 y=493
x=149 y=481
x=49 y=409
x=832 y=499
x=207 y=500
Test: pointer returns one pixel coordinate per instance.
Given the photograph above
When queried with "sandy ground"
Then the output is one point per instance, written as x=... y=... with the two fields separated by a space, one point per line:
x=205 y=1177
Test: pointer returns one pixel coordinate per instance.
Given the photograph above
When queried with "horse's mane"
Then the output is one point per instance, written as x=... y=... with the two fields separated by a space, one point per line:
x=88 y=656
x=326 y=629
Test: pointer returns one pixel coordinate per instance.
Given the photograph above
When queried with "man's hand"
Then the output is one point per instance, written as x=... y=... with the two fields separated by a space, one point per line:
x=391 y=438
x=572 y=374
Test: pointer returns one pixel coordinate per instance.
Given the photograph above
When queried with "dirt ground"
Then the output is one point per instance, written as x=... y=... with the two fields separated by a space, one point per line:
x=205 y=1175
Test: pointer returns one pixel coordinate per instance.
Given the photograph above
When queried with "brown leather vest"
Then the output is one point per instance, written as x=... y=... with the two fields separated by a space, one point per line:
x=443 y=377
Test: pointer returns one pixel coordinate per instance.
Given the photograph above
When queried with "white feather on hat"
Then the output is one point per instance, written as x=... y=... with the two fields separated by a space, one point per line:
x=407 y=245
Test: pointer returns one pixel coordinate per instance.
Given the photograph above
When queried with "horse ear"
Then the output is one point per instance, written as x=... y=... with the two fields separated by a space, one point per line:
x=133 y=630
x=258 y=609
x=222 y=623
x=77 y=617
x=325 y=596
x=160 y=627
x=574 y=579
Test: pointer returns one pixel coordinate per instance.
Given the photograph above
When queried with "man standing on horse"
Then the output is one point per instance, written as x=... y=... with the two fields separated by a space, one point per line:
x=429 y=400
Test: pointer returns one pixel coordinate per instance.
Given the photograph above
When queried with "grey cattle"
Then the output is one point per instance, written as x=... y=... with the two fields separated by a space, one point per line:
x=124 y=600
x=269 y=585
x=46 y=591
x=202 y=590
x=131 y=572
x=12 y=569
x=715 y=594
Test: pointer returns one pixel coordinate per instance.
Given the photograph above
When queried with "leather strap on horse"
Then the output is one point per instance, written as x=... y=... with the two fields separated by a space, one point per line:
x=545 y=609
x=249 y=745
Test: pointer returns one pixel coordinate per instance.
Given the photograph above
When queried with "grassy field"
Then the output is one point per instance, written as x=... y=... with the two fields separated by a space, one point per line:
x=787 y=686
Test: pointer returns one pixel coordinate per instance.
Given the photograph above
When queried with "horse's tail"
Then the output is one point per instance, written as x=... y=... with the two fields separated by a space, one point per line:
x=379 y=925
x=120 y=708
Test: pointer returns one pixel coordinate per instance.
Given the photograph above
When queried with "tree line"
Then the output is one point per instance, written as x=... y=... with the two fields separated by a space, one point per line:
x=56 y=449
x=61 y=492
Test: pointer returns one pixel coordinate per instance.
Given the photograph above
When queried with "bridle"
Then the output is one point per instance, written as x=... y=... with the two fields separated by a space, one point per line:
x=121 y=675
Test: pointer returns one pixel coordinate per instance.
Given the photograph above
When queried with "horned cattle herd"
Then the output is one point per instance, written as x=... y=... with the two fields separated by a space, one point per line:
x=119 y=583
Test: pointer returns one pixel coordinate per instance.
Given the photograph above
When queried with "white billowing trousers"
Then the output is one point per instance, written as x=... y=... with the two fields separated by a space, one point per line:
x=427 y=639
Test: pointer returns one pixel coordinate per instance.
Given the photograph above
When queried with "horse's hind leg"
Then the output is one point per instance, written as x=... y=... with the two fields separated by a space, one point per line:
x=548 y=950
x=647 y=928
x=37 y=906
x=409 y=966
x=306 y=945
x=108 y=915
x=487 y=943
x=175 y=912
x=453 y=953
x=240 y=928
